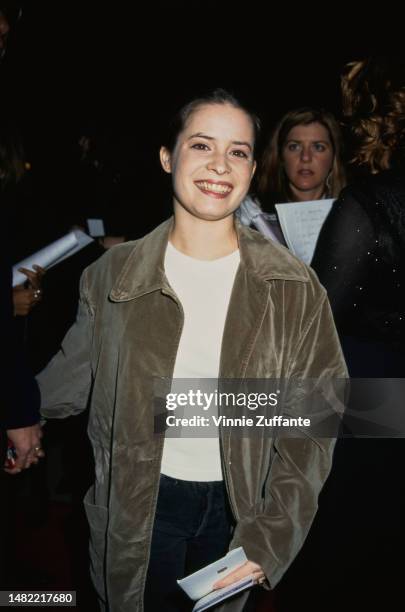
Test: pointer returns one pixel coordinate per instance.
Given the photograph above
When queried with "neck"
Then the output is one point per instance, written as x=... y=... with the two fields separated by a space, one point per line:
x=306 y=196
x=203 y=239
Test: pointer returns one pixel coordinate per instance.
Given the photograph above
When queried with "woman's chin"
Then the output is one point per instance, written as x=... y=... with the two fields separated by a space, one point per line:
x=211 y=212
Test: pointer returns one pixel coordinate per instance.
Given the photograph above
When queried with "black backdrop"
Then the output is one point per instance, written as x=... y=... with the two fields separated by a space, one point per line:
x=71 y=66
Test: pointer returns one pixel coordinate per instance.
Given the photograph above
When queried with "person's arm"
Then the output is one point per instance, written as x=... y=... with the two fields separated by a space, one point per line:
x=66 y=381
x=20 y=397
x=300 y=465
x=343 y=253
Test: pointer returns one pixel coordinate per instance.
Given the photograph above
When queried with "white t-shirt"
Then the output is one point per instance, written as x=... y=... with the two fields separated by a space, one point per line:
x=204 y=290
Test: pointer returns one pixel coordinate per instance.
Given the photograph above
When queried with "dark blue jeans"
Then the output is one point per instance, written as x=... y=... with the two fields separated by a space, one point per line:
x=192 y=528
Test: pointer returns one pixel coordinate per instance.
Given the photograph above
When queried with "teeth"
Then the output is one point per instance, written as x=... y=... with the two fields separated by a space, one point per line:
x=214 y=187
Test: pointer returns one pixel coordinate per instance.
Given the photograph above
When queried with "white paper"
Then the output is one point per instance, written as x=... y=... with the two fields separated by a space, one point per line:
x=301 y=223
x=198 y=586
x=52 y=254
x=96 y=227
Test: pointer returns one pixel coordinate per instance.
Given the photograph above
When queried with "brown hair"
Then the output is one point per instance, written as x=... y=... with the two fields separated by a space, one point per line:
x=218 y=96
x=272 y=179
x=373 y=93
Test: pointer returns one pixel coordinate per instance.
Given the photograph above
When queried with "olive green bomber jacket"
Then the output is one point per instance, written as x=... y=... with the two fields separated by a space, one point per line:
x=278 y=325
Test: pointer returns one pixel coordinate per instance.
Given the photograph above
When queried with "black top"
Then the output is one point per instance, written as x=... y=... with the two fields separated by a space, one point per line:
x=360 y=259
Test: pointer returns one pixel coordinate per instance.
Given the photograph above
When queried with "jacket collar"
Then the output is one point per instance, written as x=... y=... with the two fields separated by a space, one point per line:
x=143 y=270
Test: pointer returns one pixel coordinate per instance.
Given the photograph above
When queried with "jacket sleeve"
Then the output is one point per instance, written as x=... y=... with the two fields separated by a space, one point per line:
x=299 y=465
x=65 y=383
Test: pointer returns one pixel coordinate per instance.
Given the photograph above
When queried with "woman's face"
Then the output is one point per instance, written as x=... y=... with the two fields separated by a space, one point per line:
x=212 y=163
x=307 y=158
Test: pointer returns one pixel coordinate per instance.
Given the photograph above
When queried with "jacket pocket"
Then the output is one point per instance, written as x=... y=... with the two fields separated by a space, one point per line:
x=97 y=517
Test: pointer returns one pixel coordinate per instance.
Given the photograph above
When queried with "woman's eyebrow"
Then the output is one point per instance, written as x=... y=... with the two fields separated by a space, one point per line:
x=235 y=142
x=201 y=135
x=242 y=143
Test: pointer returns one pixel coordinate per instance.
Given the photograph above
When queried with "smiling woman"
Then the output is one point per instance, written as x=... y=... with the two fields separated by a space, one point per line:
x=212 y=162
x=200 y=297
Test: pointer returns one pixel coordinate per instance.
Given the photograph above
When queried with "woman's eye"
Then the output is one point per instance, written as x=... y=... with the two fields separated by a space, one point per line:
x=240 y=153
x=319 y=147
x=293 y=146
x=200 y=146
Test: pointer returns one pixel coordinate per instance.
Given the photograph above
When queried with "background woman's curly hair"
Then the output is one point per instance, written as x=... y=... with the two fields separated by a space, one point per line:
x=374 y=106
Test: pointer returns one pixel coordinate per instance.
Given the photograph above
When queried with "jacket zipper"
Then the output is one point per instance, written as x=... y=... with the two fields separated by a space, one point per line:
x=160 y=450
x=226 y=476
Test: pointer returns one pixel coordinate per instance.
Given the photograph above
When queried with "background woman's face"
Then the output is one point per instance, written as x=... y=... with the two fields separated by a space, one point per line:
x=307 y=157
x=212 y=163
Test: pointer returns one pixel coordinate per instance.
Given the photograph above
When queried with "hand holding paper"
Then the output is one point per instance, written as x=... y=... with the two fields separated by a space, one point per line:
x=204 y=586
x=52 y=254
x=26 y=297
x=247 y=569
x=34 y=276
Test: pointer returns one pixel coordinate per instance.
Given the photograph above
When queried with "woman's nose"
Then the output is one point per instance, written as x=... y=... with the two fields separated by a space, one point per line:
x=306 y=154
x=219 y=163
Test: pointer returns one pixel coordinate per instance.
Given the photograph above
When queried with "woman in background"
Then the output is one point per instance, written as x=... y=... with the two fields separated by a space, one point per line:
x=302 y=162
x=360 y=256
x=303 y=159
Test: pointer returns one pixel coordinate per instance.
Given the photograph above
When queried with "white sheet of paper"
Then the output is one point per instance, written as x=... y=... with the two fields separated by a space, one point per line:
x=200 y=583
x=96 y=227
x=52 y=254
x=301 y=223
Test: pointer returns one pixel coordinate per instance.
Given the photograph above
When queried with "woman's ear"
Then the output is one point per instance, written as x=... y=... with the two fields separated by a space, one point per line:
x=165 y=159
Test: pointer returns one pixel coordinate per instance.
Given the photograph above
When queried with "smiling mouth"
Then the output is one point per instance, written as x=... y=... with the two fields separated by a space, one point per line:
x=218 y=190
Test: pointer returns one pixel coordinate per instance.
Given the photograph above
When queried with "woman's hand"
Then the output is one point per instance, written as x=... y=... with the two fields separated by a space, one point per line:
x=34 y=278
x=249 y=568
x=27 y=444
x=25 y=299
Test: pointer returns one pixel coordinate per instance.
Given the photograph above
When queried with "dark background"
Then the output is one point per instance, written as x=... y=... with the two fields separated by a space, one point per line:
x=126 y=67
